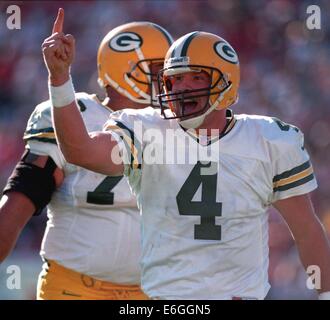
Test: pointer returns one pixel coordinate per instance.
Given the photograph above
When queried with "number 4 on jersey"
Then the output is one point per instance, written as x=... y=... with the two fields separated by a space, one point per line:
x=207 y=208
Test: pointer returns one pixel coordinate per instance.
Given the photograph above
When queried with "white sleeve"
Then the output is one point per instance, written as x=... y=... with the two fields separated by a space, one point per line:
x=39 y=135
x=123 y=129
x=292 y=170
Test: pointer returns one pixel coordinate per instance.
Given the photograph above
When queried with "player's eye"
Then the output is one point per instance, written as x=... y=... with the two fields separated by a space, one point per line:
x=176 y=78
x=200 y=77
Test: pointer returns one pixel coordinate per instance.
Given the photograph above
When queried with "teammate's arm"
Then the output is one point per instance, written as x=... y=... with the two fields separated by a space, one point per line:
x=28 y=190
x=15 y=211
x=309 y=235
x=94 y=152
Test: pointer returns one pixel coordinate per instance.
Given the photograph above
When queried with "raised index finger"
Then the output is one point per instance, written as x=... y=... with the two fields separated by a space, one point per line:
x=58 y=24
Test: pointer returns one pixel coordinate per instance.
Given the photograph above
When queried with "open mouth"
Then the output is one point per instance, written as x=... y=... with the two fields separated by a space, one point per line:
x=188 y=106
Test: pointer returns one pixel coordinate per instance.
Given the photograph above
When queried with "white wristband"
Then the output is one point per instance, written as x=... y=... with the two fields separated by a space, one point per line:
x=62 y=95
x=324 y=295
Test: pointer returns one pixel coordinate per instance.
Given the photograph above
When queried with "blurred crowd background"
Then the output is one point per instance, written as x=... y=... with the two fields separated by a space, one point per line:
x=285 y=73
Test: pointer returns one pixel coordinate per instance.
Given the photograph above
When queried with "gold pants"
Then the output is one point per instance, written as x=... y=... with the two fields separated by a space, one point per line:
x=60 y=283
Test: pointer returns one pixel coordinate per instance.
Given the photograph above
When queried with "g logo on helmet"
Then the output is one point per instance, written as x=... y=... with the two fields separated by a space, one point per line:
x=226 y=51
x=125 y=42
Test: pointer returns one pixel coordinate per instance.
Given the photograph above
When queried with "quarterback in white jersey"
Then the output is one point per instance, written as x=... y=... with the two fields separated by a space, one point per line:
x=92 y=241
x=203 y=177
x=206 y=236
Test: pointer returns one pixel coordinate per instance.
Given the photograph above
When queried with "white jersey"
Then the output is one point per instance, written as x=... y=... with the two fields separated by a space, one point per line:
x=93 y=222
x=204 y=221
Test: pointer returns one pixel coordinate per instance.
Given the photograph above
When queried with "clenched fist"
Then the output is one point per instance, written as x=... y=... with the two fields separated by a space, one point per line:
x=58 y=52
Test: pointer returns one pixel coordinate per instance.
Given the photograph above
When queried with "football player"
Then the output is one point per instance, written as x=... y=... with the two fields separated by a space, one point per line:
x=91 y=244
x=204 y=221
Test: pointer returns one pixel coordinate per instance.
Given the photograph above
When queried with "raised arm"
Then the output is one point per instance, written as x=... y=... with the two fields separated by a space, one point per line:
x=309 y=235
x=91 y=151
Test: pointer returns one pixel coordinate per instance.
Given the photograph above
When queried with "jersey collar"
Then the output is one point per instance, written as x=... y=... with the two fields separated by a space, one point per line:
x=206 y=141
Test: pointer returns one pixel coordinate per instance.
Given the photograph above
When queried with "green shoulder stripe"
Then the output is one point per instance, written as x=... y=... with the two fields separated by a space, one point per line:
x=295 y=183
x=43 y=135
x=132 y=144
x=292 y=172
x=49 y=140
x=36 y=131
